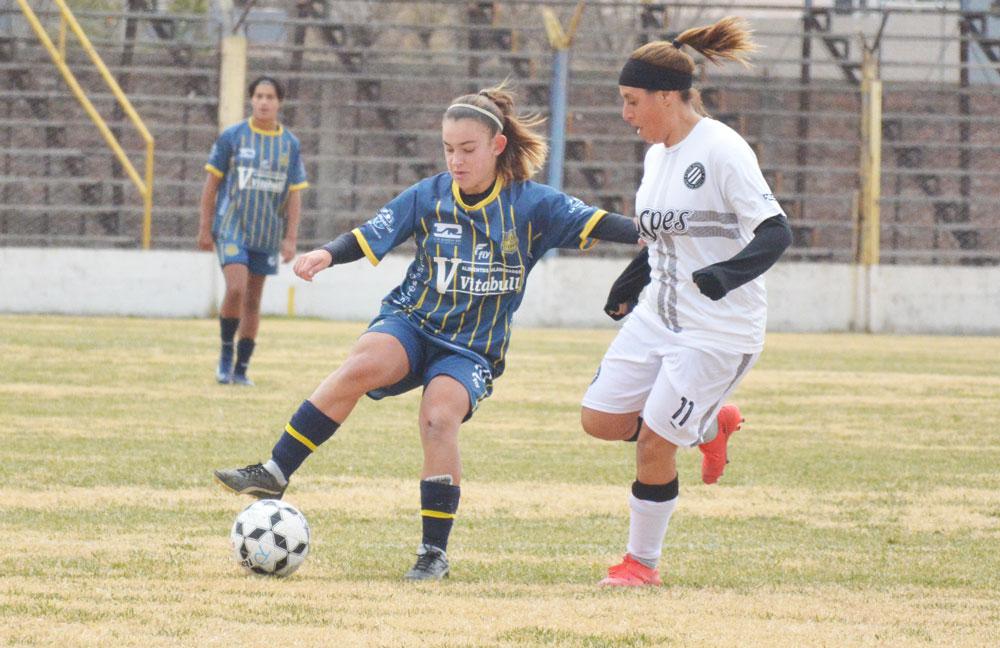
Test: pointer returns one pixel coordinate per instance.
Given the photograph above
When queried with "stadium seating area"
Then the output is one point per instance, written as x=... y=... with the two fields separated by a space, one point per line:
x=368 y=81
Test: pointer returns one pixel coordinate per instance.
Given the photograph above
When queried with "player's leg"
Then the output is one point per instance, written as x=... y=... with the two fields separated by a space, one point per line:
x=619 y=389
x=249 y=325
x=683 y=406
x=377 y=359
x=651 y=504
x=235 y=273
x=455 y=386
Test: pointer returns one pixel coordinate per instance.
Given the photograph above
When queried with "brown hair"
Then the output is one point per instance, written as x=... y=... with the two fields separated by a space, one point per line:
x=728 y=39
x=526 y=149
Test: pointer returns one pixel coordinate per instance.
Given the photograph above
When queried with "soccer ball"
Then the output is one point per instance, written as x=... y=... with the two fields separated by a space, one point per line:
x=270 y=537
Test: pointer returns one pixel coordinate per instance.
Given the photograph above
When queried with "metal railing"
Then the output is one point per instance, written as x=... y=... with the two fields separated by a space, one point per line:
x=144 y=184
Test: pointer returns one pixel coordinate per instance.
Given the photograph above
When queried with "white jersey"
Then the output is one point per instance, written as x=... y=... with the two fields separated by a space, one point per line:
x=699 y=203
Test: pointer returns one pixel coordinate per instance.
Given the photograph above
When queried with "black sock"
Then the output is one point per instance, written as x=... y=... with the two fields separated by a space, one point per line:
x=308 y=428
x=244 y=349
x=438 y=504
x=227 y=331
x=656 y=492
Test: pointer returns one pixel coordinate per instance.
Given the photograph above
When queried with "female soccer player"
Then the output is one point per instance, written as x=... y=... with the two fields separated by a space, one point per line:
x=479 y=230
x=257 y=164
x=712 y=228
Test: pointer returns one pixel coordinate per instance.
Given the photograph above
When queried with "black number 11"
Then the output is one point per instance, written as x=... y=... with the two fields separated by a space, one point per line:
x=684 y=411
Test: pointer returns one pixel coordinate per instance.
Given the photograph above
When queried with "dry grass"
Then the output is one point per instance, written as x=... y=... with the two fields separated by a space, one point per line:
x=862 y=507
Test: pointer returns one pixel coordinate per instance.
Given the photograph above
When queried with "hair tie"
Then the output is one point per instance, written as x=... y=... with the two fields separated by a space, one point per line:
x=676 y=43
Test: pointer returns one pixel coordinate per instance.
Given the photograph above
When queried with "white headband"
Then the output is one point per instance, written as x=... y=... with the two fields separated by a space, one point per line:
x=479 y=110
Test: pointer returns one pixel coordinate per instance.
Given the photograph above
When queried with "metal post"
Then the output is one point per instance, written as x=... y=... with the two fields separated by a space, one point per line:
x=557 y=117
x=871 y=159
x=561 y=42
x=232 y=80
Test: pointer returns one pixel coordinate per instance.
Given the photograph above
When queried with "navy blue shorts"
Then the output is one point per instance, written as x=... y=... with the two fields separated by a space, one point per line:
x=261 y=263
x=429 y=359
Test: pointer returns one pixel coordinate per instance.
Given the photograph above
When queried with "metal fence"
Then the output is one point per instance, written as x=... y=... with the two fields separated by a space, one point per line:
x=368 y=82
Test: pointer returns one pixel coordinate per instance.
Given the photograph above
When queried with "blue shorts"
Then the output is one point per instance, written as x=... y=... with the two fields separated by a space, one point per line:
x=429 y=359
x=260 y=263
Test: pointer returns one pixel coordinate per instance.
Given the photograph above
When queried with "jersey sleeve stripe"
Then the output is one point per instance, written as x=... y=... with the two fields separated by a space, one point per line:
x=299 y=186
x=589 y=227
x=211 y=169
x=364 y=246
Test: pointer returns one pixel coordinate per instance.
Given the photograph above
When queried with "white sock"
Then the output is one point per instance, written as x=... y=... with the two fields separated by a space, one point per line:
x=272 y=468
x=647 y=527
x=711 y=431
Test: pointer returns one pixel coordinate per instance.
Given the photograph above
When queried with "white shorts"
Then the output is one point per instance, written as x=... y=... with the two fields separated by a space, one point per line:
x=677 y=389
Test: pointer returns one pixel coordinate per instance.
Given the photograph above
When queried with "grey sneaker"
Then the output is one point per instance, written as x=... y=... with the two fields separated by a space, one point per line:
x=241 y=379
x=253 y=480
x=432 y=564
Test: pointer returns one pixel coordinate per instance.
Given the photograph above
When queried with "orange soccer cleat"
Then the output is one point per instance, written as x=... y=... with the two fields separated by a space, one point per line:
x=631 y=573
x=713 y=461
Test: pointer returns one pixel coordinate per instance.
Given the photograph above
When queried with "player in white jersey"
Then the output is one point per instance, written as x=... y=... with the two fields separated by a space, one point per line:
x=712 y=227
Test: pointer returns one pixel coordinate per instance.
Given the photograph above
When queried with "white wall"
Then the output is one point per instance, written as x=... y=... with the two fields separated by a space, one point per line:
x=563 y=291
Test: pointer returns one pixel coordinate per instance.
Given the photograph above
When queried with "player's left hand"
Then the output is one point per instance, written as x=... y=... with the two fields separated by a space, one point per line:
x=709 y=283
x=287 y=250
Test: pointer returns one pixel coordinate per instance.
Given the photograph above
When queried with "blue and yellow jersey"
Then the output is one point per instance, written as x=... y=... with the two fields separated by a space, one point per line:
x=258 y=168
x=472 y=261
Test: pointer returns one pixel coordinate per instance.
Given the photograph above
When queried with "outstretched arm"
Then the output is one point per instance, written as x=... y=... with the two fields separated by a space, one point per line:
x=343 y=249
x=615 y=228
x=770 y=240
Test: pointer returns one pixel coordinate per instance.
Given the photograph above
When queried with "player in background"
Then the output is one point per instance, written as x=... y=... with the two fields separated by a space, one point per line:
x=479 y=229
x=712 y=228
x=250 y=207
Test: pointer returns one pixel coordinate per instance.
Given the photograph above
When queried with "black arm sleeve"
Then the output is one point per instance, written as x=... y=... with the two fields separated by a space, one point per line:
x=628 y=285
x=616 y=228
x=344 y=249
x=770 y=240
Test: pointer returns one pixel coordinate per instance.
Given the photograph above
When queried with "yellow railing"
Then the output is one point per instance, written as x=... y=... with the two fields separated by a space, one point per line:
x=58 y=54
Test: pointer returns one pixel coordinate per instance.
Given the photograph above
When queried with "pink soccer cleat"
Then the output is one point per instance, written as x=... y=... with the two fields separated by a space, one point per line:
x=631 y=573
x=713 y=461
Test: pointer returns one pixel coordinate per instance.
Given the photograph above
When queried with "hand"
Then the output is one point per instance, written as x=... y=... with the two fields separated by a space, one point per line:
x=307 y=265
x=287 y=250
x=205 y=241
x=709 y=284
x=621 y=311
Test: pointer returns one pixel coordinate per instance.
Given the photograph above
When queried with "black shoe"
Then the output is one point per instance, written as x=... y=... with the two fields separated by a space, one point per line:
x=253 y=480
x=432 y=564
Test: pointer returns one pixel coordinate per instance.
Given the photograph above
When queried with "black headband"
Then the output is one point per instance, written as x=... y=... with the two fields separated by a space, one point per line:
x=640 y=74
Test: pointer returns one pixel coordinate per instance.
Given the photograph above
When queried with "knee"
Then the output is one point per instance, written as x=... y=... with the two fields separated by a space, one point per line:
x=608 y=427
x=251 y=303
x=439 y=424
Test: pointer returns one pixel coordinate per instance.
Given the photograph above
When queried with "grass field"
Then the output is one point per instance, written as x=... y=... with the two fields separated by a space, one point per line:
x=861 y=507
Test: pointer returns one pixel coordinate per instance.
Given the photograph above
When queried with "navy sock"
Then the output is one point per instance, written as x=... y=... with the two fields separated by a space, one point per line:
x=438 y=503
x=227 y=331
x=244 y=349
x=308 y=428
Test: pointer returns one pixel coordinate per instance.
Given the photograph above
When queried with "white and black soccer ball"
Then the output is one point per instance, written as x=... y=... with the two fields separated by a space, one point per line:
x=270 y=537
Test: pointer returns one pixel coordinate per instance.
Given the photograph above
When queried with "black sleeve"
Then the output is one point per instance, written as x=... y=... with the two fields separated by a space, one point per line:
x=628 y=285
x=770 y=240
x=615 y=228
x=344 y=249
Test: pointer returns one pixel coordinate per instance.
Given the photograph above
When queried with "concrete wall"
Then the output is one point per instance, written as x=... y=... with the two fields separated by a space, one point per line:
x=564 y=291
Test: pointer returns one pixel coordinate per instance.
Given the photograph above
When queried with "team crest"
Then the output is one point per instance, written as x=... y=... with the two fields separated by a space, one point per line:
x=509 y=245
x=694 y=175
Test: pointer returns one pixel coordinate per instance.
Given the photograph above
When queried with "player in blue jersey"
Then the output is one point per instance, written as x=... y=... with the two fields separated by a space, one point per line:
x=250 y=208
x=479 y=229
